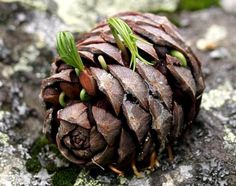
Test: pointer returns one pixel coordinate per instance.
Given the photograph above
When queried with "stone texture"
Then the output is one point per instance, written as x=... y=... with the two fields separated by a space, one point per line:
x=205 y=156
x=229 y=6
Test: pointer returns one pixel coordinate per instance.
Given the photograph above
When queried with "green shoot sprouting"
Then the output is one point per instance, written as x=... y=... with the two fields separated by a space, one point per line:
x=125 y=37
x=62 y=99
x=84 y=95
x=67 y=50
x=180 y=57
x=102 y=62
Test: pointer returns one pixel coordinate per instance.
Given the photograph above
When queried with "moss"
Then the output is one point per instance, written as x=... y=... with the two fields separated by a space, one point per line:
x=53 y=148
x=51 y=167
x=33 y=165
x=38 y=145
x=197 y=4
x=65 y=176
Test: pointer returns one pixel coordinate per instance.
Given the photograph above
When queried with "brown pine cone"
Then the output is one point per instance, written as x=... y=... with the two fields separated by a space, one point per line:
x=131 y=115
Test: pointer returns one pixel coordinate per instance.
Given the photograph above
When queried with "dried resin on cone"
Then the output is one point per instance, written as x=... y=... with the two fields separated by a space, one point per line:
x=122 y=93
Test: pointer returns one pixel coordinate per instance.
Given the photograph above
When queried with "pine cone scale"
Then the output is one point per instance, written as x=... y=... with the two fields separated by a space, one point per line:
x=137 y=119
x=126 y=148
x=157 y=83
x=131 y=82
x=161 y=118
x=184 y=79
x=68 y=154
x=178 y=119
x=105 y=49
x=107 y=124
x=88 y=56
x=97 y=141
x=104 y=158
x=75 y=114
x=110 y=87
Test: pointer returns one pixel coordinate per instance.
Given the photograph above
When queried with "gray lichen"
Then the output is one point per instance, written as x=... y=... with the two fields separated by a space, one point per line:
x=216 y=98
x=230 y=141
x=12 y=167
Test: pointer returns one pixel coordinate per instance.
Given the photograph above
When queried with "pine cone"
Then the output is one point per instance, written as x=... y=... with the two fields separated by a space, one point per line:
x=132 y=114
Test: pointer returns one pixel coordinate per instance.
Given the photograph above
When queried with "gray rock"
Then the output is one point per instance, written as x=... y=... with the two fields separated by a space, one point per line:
x=229 y=6
x=207 y=154
x=12 y=166
x=221 y=53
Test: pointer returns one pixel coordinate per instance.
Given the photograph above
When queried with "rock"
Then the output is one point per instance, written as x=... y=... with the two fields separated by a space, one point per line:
x=12 y=167
x=85 y=14
x=221 y=53
x=205 y=156
x=229 y=5
x=85 y=179
x=220 y=95
x=230 y=141
x=214 y=35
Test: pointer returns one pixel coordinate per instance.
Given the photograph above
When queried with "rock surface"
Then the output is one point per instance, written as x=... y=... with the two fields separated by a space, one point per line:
x=206 y=155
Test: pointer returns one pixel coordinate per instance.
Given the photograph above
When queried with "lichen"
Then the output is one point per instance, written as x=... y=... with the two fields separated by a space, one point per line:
x=178 y=176
x=217 y=97
x=230 y=141
x=229 y=135
x=4 y=115
x=185 y=172
x=3 y=139
x=38 y=4
x=122 y=180
x=28 y=56
x=85 y=179
x=84 y=14
x=12 y=169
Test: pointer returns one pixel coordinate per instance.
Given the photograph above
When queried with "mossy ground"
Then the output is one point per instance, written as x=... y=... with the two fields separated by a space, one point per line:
x=61 y=176
x=192 y=5
x=38 y=145
x=65 y=176
x=33 y=164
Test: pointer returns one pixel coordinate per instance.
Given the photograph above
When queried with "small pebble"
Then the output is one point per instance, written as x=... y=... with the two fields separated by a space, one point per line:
x=229 y=6
x=214 y=35
x=221 y=53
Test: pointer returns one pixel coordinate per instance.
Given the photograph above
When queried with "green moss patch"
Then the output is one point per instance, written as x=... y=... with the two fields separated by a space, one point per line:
x=33 y=165
x=65 y=176
x=53 y=148
x=51 y=167
x=192 y=5
x=38 y=145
